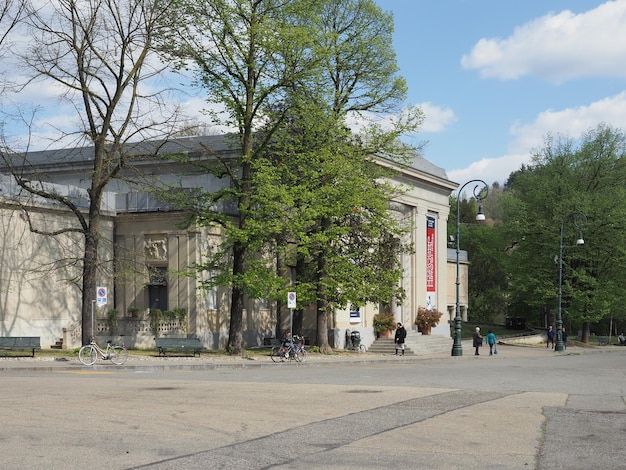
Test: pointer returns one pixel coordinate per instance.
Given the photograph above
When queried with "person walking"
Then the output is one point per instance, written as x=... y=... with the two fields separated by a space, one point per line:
x=564 y=338
x=491 y=341
x=400 y=338
x=478 y=340
x=551 y=334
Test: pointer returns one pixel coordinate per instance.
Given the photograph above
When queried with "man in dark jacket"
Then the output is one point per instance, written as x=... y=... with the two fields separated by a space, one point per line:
x=399 y=339
x=551 y=335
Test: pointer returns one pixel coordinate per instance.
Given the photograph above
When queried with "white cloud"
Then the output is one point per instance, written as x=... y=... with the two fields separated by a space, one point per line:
x=490 y=170
x=437 y=118
x=558 y=47
x=570 y=122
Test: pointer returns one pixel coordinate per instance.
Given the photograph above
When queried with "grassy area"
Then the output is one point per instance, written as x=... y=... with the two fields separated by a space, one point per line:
x=499 y=330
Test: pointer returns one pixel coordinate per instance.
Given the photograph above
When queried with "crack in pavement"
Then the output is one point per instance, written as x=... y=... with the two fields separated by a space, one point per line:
x=322 y=436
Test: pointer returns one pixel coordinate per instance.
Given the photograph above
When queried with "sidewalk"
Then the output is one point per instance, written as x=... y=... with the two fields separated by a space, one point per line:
x=215 y=361
x=525 y=408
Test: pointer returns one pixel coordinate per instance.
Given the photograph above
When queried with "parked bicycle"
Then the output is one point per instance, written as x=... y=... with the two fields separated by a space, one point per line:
x=289 y=350
x=116 y=353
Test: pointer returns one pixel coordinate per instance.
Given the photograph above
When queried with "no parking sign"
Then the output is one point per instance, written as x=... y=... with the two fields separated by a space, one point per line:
x=291 y=300
x=101 y=296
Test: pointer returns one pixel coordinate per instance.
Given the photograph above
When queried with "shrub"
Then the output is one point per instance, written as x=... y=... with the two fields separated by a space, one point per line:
x=180 y=313
x=426 y=319
x=132 y=312
x=384 y=322
x=112 y=319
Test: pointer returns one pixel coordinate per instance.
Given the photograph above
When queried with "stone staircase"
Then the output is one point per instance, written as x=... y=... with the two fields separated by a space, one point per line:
x=416 y=345
x=58 y=344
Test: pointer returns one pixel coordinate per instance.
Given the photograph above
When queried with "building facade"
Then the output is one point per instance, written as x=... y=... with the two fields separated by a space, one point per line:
x=148 y=246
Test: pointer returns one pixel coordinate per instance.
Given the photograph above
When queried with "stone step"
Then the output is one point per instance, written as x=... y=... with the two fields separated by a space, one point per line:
x=415 y=344
x=387 y=346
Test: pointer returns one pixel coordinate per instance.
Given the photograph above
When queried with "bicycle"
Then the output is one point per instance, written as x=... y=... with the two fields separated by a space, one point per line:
x=88 y=354
x=295 y=350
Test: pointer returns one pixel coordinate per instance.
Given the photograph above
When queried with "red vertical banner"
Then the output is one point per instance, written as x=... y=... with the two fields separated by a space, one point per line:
x=430 y=255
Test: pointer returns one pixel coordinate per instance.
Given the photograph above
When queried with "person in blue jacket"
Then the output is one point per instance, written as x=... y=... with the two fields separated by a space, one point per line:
x=491 y=341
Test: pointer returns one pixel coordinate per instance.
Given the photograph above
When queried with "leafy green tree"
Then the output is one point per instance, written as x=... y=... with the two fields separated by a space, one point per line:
x=245 y=54
x=485 y=244
x=346 y=232
x=488 y=278
x=260 y=59
x=337 y=203
x=567 y=177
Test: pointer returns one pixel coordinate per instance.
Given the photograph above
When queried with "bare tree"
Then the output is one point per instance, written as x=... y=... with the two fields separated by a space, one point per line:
x=11 y=13
x=99 y=54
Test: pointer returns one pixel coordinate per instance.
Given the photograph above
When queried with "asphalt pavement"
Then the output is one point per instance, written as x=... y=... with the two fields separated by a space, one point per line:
x=526 y=408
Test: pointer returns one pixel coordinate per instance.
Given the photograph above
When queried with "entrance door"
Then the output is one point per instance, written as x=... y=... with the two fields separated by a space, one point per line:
x=158 y=297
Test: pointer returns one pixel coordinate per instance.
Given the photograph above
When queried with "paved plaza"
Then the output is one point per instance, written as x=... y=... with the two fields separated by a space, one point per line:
x=526 y=408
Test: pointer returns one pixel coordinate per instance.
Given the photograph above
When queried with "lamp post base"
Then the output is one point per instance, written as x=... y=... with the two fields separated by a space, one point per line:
x=457 y=347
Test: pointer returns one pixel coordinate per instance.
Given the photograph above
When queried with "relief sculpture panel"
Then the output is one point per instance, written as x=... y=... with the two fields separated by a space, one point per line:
x=155 y=248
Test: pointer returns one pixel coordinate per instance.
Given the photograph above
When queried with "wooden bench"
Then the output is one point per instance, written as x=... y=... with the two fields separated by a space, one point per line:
x=20 y=343
x=191 y=345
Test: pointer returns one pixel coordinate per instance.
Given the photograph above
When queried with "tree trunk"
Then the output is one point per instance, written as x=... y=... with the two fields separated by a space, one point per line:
x=235 y=333
x=585 y=335
x=322 y=307
x=90 y=267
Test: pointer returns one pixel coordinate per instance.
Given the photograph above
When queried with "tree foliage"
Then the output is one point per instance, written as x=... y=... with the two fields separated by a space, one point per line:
x=347 y=241
x=276 y=66
x=566 y=177
x=245 y=54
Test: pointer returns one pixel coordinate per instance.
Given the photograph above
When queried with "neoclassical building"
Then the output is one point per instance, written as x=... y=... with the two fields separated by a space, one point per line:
x=146 y=246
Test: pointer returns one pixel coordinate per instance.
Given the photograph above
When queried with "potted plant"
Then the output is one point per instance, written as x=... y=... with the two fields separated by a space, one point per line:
x=180 y=313
x=132 y=312
x=384 y=324
x=426 y=319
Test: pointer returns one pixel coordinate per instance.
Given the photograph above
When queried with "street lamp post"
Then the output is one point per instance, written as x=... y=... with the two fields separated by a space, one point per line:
x=457 y=348
x=580 y=220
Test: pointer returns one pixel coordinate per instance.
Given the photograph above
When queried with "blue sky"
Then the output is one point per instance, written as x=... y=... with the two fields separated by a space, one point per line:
x=494 y=77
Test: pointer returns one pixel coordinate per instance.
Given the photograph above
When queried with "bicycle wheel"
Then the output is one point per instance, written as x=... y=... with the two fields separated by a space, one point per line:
x=118 y=355
x=87 y=355
x=300 y=356
x=277 y=355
